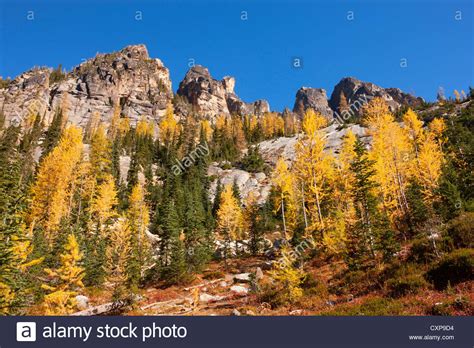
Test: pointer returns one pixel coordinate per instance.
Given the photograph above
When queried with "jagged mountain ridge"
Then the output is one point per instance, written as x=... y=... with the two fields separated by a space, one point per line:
x=142 y=87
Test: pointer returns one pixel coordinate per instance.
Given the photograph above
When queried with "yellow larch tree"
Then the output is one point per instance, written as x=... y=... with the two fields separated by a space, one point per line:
x=114 y=121
x=343 y=212
x=414 y=127
x=430 y=163
x=138 y=216
x=118 y=256
x=284 y=182
x=457 y=96
x=20 y=251
x=314 y=169
x=238 y=133
x=393 y=155
x=230 y=222
x=124 y=126
x=206 y=129
x=169 y=127
x=437 y=127
x=145 y=127
x=53 y=189
x=102 y=207
x=66 y=281
x=287 y=278
x=92 y=125
x=100 y=154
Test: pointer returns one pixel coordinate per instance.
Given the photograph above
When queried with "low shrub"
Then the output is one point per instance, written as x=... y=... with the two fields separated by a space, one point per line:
x=461 y=230
x=357 y=283
x=210 y=275
x=372 y=307
x=312 y=286
x=460 y=304
x=405 y=285
x=456 y=267
x=422 y=251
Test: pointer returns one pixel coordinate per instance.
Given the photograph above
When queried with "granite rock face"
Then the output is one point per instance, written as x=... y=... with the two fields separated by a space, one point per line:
x=211 y=97
x=404 y=98
x=28 y=93
x=129 y=78
x=358 y=93
x=271 y=151
x=314 y=98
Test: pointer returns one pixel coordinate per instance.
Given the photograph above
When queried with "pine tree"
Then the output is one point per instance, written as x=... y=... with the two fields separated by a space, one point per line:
x=236 y=192
x=66 y=281
x=53 y=134
x=15 y=242
x=172 y=247
x=370 y=231
x=252 y=217
x=217 y=198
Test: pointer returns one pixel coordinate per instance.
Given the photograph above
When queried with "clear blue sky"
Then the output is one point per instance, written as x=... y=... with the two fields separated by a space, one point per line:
x=257 y=51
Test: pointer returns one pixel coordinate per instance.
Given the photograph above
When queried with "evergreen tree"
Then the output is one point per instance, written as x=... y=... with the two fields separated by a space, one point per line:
x=53 y=134
x=371 y=231
x=172 y=254
x=217 y=198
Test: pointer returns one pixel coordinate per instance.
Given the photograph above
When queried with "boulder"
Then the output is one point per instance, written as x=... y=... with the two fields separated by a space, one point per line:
x=240 y=290
x=258 y=273
x=82 y=302
x=206 y=298
x=242 y=278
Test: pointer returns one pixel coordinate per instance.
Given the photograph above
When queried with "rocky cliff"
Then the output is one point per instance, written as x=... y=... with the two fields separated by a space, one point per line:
x=141 y=86
x=129 y=78
x=352 y=93
x=314 y=98
x=212 y=97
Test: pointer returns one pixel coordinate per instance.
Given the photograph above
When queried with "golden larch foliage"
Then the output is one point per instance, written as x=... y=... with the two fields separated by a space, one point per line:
x=145 y=127
x=53 y=188
x=65 y=281
x=100 y=154
x=169 y=127
x=286 y=202
x=103 y=205
x=314 y=168
x=118 y=256
x=230 y=222
x=206 y=129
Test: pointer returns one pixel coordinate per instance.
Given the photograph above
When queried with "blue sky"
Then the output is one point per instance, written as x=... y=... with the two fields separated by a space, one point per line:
x=258 y=51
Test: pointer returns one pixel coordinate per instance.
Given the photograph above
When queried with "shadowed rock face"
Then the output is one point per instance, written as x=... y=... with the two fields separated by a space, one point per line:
x=314 y=98
x=357 y=93
x=129 y=77
x=212 y=97
x=404 y=98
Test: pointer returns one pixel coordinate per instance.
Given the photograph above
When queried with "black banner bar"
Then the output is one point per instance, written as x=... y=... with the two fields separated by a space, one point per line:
x=292 y=332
